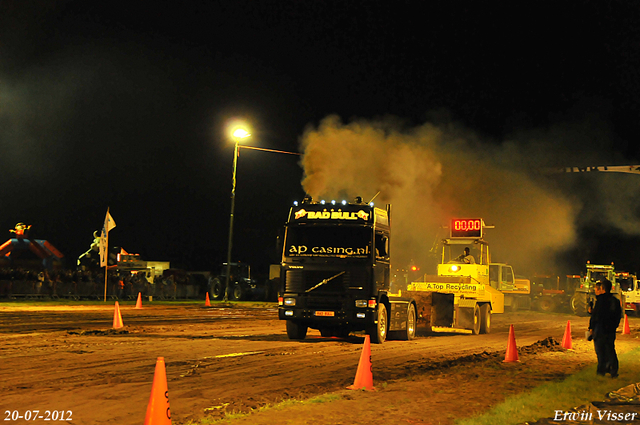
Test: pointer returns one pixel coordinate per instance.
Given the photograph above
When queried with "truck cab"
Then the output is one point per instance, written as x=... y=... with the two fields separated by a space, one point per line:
x=516 y=290
x=335 y=274
x=631 y=289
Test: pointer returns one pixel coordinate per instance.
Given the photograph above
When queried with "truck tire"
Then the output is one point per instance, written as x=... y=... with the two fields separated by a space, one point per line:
x=485 y=317
x=547 y=304
x=410 y=332
x=296 y=330
x=238 y=293
x=477 y=320
x=217 y=289
x=579 y=304
x=378 y=331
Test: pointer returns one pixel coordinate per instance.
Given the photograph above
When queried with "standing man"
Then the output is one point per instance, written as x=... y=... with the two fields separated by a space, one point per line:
x=605 y=319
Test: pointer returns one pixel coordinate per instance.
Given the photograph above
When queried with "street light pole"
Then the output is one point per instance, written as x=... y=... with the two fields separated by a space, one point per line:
x=237 y=135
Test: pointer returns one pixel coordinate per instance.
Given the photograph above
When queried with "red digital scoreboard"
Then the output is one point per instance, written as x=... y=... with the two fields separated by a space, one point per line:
x=466 y=228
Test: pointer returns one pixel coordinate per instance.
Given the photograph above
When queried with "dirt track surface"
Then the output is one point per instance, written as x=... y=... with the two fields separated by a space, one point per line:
x=218 y=359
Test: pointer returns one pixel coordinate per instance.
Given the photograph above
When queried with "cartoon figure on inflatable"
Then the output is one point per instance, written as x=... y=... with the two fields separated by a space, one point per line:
x=21 y=230
x=42 y=248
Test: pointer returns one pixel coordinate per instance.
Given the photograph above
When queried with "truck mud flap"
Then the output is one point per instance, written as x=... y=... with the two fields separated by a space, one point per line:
x=466 y=315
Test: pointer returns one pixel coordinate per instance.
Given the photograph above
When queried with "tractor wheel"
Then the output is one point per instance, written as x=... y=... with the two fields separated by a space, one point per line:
x=217 y=289
x=485 y=316
x=378 y=331
x=579 y=304
x=296 y=330
x=547 y=304
x=238 y=293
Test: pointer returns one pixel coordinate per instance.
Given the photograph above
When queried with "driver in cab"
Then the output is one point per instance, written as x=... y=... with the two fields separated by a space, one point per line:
x=465 y=257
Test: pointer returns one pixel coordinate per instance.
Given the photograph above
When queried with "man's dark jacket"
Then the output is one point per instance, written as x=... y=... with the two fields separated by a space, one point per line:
x=606 y=314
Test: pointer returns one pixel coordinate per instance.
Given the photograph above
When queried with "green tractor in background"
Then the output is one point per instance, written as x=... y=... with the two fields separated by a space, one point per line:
x=585 y=295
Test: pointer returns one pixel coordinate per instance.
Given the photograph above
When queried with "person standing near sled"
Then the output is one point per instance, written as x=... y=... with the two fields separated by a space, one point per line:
x=605 y=319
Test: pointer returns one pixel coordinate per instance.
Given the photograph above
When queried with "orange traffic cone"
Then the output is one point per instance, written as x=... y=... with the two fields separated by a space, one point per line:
x=158 y=412
x=626 y=330
x=364 y=377
x=566 y=339
x=139 y=302
x=512 y=349
x=207 y=303
x=117 y=318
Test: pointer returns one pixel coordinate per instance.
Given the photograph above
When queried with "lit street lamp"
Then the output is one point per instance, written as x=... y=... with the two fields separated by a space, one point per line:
x=239 y=133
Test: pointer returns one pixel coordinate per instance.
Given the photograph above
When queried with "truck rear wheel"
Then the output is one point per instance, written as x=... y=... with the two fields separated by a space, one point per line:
x=410 y=332
x=378 y=331
x=296 y=330
x=485 y=316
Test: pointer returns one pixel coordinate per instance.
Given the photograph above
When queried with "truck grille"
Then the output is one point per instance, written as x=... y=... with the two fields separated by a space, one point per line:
x=302 y=280
x=324 y=303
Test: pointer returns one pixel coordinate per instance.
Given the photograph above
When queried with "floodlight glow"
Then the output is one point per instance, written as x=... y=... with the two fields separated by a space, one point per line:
x=295 y=203
x=237 y=130
x=344 y=202
x=322 y=202
x=333 y=202
x=241 y=133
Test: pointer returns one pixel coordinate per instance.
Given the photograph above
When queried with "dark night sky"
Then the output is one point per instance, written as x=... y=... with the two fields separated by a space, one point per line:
x=123 y=104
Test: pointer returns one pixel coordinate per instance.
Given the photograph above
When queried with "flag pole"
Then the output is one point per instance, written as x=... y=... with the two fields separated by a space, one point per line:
x=106 y=256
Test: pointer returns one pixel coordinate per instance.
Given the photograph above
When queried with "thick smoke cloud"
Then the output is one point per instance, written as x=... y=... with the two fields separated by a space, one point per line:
x=431 y=174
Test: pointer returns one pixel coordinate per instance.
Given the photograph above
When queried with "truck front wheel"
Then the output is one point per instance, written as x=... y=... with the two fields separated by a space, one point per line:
x=296 y=330
x=378 y=331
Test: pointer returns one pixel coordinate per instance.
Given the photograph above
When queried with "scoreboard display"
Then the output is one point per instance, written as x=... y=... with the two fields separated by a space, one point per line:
x=466 y=228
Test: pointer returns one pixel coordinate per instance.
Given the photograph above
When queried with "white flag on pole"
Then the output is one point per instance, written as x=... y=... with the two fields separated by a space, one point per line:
x=109 y=224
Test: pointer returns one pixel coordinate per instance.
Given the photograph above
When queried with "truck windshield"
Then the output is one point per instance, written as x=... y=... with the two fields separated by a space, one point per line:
x=595 y=276
x=328 y=241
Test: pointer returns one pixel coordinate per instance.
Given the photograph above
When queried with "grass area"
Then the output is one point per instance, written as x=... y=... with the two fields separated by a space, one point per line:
x=578 y=389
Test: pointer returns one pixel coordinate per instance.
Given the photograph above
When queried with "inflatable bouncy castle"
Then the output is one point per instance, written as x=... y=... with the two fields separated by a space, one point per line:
x=15 y=247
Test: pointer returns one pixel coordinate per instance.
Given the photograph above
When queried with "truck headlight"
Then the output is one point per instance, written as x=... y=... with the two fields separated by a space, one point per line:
x=288 y=313
x=290 y=301
x=454 y=268
x=361 y=303
x=361 y=315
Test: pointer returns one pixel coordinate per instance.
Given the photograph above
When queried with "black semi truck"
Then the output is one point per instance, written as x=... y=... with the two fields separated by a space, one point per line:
x=335 y=273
